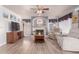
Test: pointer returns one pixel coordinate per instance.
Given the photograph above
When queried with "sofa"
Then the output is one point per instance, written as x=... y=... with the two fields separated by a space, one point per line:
x=67 y=43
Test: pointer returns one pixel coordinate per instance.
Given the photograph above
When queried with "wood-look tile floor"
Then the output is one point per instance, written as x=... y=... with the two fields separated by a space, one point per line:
x=28 y=46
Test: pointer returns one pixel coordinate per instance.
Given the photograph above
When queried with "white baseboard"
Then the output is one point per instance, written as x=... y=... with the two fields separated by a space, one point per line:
x=2 y=44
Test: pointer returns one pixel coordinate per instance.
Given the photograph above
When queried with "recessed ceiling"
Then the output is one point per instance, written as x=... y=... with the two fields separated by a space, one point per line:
x=54 y=10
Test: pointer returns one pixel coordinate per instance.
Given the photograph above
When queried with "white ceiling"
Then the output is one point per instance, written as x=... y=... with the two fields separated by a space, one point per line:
x=54 y=10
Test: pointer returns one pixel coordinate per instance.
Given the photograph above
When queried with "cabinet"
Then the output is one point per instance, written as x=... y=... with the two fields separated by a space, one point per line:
x=20 y=34
x=14 y=36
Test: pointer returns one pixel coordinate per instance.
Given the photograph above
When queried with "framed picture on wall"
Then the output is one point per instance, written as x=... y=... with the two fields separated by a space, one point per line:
x=12 y=17
x=5 y=15
x=74 y=19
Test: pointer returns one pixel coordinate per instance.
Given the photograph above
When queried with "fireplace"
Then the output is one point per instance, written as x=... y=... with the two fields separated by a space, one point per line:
x=39 y=32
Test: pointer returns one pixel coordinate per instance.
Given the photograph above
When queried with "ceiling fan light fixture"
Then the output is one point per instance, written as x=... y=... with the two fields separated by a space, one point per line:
x=39 y=12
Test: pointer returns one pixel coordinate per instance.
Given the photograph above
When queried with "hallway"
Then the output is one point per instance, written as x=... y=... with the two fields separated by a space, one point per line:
x=27 y=46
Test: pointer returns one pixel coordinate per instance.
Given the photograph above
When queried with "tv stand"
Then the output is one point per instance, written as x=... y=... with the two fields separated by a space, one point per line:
x=13 y=36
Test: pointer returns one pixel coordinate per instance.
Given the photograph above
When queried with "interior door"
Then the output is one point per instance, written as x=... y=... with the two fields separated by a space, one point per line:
x=27 y=28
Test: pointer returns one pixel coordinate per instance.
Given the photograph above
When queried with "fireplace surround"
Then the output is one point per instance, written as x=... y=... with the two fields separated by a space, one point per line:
x=39 y=24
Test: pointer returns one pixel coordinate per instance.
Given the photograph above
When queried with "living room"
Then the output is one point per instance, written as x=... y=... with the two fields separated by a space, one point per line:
x=45 y=29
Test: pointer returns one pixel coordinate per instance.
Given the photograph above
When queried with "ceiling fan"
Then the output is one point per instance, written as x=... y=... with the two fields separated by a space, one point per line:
x=40 y=9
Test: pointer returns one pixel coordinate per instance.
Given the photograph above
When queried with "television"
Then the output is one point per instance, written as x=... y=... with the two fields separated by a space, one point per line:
x=15 y=26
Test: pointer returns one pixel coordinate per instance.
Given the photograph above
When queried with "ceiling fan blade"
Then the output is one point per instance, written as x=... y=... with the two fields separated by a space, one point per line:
x=45 y=8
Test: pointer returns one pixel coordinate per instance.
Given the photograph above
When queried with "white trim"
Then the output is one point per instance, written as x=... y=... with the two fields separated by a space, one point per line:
x=2 y=44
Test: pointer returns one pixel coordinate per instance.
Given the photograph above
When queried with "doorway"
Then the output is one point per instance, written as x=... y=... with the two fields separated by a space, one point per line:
x=27 y=28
